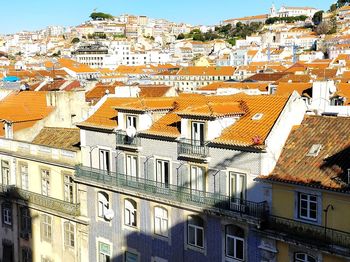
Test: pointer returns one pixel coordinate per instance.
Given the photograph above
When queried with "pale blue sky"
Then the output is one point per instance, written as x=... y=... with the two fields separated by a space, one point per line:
x=20 y=15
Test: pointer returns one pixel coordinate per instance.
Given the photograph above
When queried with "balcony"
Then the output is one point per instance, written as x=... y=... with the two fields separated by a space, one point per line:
x=323 y=238
x=12 y=192
x=176 y=195
x=188 y=148
x=124 y=141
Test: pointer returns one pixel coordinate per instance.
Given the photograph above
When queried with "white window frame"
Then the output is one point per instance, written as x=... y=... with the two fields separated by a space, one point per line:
x=161 y=172
x=130 y=212
x=306 y=257
x=197 y=180
x=308 y=204
x=235 y=239
x=102 y=255
x=45 y=182
x=46 y=227
x=161 y=221
x=104 y=159
x=23 y=169
x=197 y=136
x=7 y=213
x=69 y=234
x=130 y=160
x=5 y=172
x=195 y=228
x=102 y=203
x=131 y=120
x=68 y=188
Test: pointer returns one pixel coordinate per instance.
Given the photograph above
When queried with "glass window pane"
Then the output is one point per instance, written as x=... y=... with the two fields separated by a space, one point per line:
x=191 y=235
x=200 y=237
x=239 y=249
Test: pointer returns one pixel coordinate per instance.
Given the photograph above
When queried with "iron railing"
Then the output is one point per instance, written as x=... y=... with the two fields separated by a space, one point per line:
x=124 y=140
x=41 y=200
x=179 y=194
x=320 y=236
x=196 y=148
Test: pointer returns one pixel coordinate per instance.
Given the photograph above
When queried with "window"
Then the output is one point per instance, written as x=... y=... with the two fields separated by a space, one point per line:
x=104 y=160
x=23 y=169
x=104 y=252
x=46 y=228
x=103 y=203
x=131 y=257
x=6 y=214
x=26 y=254
x=197 y=134
x=68 y=188
x=45 y=182
x=314 y=150
x=69 y=234
x=302 y=257
x=26 y=222
x=161 y=221
x=5 y=172
x=234 y=242
x=131 y=165
x=130 y=213
x=130 y=121
x=308 y=207
x=197 y=178
x=238 y=187
x=163 y=173
x=195 y=231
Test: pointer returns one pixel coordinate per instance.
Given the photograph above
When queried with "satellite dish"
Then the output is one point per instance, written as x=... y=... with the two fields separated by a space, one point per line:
x=131 y=131
x=332 y=89
x=109 y=214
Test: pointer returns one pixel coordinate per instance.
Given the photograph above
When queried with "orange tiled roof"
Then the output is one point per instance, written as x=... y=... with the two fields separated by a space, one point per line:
x=209 y=71
x=285 y=88
x=329 y=168
x=343 y=90
x=153 y=90
x=238 y=85
x=24 y=109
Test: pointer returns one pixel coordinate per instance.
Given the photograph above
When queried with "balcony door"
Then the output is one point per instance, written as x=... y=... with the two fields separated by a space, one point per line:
x=163 y=173
x=197 y=133
x=197 y=180
x=238 y=188
x=131 y=166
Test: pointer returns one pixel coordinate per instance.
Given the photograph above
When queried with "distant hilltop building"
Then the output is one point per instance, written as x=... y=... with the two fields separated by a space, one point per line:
x=288 y=11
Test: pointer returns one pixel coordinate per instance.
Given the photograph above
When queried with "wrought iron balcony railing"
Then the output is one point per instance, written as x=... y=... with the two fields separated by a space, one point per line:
x=323 y=237
x=195 y=148
x=124 y=140
x=41 y=200
x=179 y=194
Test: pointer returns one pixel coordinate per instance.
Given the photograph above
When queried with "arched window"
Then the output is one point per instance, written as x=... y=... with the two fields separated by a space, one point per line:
x=195 y=231
x=303 y=257
x=234 y=242
x=103 y=203
x=69 y=234
x=130 y=213
x=161 y=221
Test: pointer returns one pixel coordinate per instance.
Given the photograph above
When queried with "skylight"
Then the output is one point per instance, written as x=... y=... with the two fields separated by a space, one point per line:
x=257 y=116
x=314 y=150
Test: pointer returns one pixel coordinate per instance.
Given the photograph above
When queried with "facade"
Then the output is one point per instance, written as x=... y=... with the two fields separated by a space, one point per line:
x=39 y=210
x=310 y=195
x=193 y=200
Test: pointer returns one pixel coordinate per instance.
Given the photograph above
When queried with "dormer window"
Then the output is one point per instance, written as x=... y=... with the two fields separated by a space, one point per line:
x=197 y=132
x=130 y=121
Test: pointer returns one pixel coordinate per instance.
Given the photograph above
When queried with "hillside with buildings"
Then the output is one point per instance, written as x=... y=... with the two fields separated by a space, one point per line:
x=128 y=138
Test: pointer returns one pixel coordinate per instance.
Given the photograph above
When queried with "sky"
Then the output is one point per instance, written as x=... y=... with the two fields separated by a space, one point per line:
x=18 y=15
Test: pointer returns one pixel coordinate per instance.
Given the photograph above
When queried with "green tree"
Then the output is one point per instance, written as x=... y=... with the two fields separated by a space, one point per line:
x=100 y=16
x=317 y=18
x=75 y=40
x=180 y=36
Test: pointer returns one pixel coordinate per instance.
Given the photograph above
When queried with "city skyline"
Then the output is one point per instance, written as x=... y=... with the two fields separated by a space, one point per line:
x=39 y=14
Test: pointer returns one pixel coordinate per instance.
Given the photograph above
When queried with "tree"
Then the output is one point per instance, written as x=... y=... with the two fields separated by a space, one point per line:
x=333 y=7
x=180 y=36
x=75 y=40
x=323 y=28
x=100 y=16
x=317 y=18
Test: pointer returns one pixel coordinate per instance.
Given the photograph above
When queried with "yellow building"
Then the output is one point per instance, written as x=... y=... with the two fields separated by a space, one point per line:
x=310 y=187
x=39 y=209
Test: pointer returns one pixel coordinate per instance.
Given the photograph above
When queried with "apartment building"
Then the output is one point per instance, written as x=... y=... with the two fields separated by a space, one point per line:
x=310 y=193
x=172 y=179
